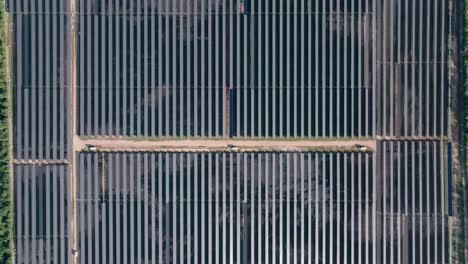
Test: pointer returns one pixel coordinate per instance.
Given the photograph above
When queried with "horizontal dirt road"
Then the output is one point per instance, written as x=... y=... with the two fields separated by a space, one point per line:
x=123 y=144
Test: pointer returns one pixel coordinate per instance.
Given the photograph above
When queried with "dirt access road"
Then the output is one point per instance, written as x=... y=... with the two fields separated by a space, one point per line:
x=128 y=144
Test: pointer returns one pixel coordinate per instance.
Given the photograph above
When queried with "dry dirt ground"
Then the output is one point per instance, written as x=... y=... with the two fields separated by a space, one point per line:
x=118 y=144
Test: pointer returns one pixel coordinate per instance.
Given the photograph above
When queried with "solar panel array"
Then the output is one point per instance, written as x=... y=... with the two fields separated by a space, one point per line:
x=41 y=126
x=267 y=69
x=218 y=69
x=42 y=214
x=33 y=7
x=414 y=75
x=415 y=201
x=264 y=68
x=226 y=207
x=41 y=83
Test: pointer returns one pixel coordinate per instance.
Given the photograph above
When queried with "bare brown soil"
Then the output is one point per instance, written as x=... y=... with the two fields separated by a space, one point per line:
x=73 y=116
x=118 y=144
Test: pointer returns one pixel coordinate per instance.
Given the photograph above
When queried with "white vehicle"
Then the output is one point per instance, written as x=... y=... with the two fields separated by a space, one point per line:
x=361 y=147
x=233 y=147
x=91 y=148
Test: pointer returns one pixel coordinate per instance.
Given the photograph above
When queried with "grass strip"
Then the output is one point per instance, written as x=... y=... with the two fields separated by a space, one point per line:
x=6 y=225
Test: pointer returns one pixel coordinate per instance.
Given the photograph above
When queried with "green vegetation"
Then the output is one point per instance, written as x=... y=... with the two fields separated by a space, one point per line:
x=6 y=226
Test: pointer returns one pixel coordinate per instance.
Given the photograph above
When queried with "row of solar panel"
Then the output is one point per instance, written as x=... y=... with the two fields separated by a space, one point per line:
x=239 y=207
x=225 y=76
x=241 y=7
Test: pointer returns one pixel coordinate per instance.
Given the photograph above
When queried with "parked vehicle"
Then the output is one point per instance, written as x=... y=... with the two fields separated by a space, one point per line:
x=233 y=147
x=91 y=148
x=361 y=147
